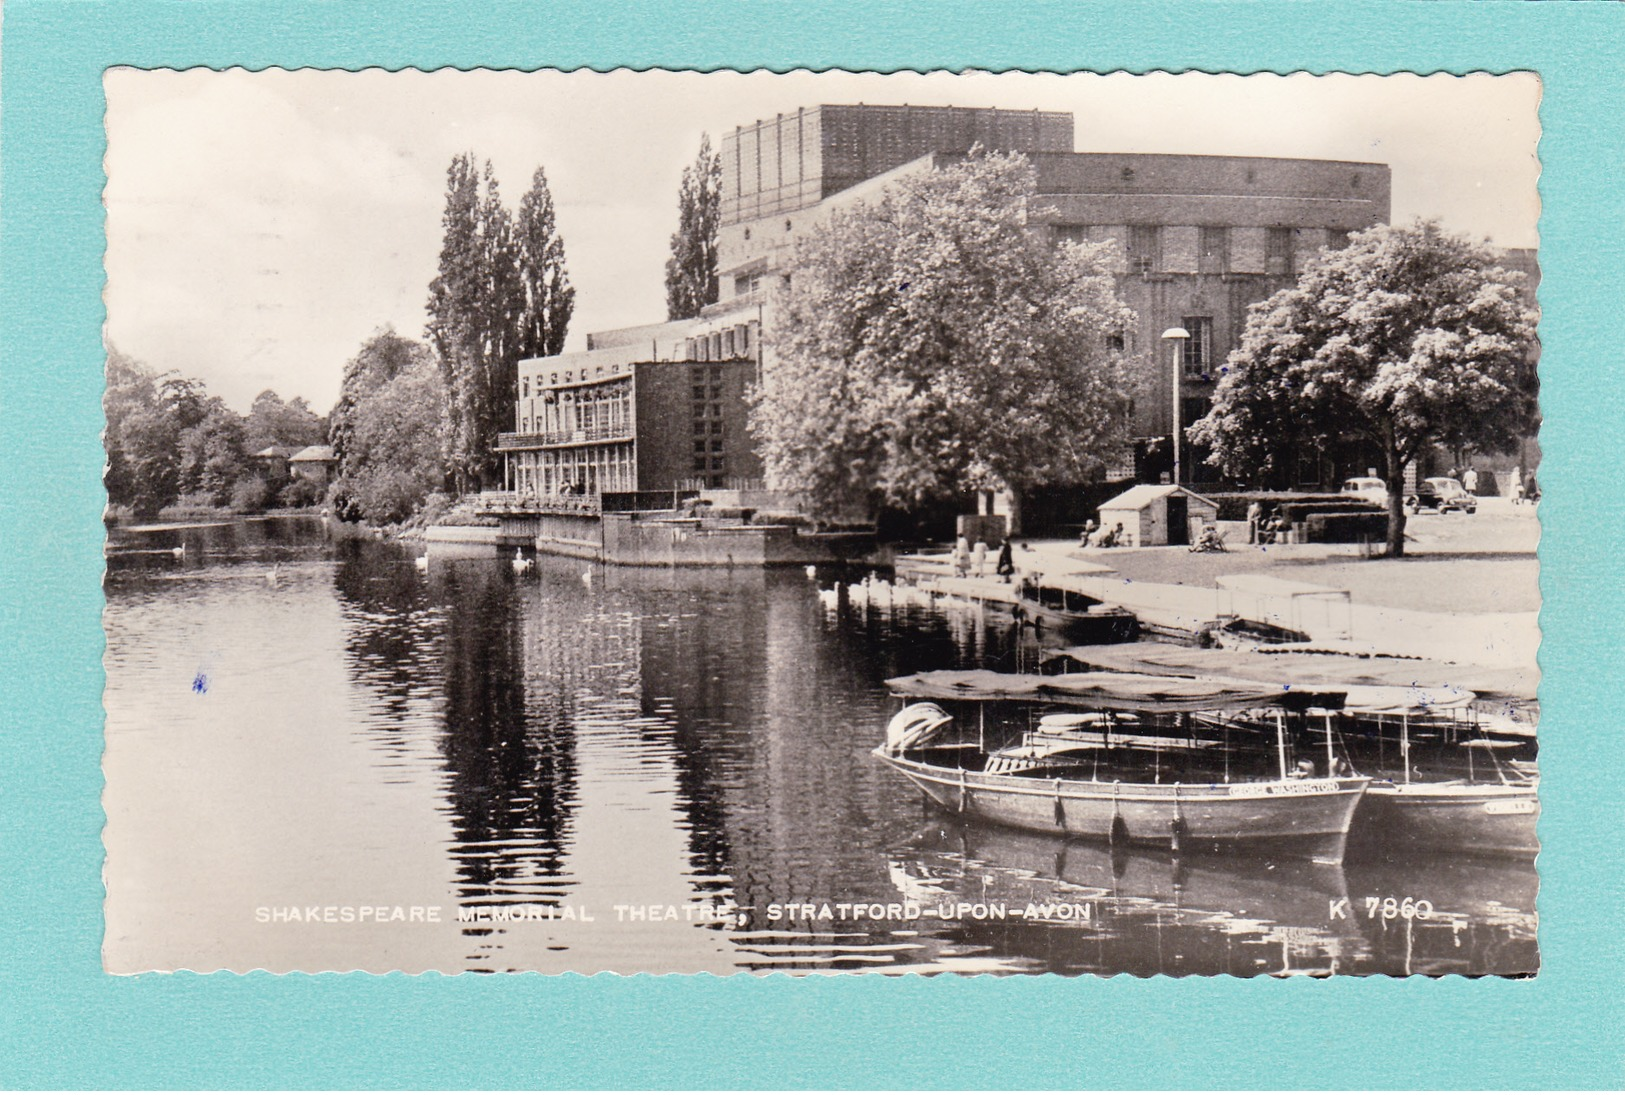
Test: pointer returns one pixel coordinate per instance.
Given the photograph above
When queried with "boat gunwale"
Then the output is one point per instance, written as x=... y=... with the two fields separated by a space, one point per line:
x=1053 y=787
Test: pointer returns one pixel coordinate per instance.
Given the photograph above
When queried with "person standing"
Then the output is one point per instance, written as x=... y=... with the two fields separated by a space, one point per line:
x=1255 y=514
x=961 y=557
x=979 y=556
x=1006 y=565
x=1469 y=481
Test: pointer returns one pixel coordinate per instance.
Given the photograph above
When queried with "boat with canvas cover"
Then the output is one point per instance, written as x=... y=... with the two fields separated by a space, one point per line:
x=1121 y=758
x=1443 y=776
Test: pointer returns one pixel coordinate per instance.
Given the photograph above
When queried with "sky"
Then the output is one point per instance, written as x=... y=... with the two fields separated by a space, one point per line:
x=261 y=226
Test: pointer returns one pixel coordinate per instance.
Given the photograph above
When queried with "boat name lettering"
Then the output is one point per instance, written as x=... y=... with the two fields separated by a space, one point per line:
x=1287 y=787
x=1510 y=806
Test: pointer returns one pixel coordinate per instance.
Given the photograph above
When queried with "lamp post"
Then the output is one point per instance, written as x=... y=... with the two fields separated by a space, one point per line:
x=1176 y=336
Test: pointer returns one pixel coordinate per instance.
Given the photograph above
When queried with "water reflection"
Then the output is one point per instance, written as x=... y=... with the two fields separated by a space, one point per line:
x=663 y=761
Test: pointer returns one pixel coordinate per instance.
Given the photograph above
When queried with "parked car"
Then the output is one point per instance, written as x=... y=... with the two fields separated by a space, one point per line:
x=1442 y=494
x=1367 y=489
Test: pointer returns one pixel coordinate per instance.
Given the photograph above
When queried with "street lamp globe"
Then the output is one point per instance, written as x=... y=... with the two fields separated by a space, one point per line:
x=1176 y=336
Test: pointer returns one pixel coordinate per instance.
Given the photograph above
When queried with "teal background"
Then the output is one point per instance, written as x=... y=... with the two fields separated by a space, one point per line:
x=64 y=1024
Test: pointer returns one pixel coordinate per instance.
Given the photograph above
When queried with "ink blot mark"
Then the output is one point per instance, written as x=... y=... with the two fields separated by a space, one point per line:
x=200 y=683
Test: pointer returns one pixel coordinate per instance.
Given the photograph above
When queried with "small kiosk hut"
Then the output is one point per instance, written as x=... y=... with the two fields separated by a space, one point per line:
x=1153 y=515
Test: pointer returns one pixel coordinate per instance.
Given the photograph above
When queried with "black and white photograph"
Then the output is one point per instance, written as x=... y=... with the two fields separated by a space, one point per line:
x=821 y=522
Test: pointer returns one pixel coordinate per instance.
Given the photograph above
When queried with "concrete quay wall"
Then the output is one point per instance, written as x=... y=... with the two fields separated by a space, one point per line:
x=660 y=539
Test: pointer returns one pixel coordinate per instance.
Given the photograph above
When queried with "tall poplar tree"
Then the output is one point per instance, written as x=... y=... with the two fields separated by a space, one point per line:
x=502 y=294
x=548 y=299
x=453 y=327
x=691 y=272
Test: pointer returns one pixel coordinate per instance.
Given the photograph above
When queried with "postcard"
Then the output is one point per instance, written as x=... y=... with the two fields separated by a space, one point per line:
x=821 y=522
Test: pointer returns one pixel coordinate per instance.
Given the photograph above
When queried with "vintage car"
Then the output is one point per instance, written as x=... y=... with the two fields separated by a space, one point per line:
x=1442 y=494
x=1367 y=488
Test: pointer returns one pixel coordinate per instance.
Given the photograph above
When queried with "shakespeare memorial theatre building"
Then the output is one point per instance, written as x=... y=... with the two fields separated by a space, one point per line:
x=1198 y=239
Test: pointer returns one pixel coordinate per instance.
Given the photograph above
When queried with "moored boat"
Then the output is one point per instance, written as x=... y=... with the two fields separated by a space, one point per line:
x=1128 y=764
x=1442 y=776
x=1078 y=616
x=1455 y=789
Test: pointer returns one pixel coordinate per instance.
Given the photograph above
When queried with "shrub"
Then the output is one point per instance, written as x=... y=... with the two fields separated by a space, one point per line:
x=299 y=493
x=1345 y=528
x=250 y=494
x=1233 y=506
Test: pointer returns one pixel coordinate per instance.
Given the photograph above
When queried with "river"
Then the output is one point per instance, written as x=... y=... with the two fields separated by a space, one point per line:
x=321 y=757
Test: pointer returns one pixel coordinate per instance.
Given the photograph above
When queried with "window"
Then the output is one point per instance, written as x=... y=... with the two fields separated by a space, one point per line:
x=1198 y=359
x=744 y=335
x=1278 y=253
x=728 y=343
x=1144 y=248
x=524 y=388
x=1337 y=239
x=1214 y=257
x=1070 y=233
x=716 y=444
x=716 y=427
x=699 y=445
x=699 y=391
x=699 y=463
x=716 y=373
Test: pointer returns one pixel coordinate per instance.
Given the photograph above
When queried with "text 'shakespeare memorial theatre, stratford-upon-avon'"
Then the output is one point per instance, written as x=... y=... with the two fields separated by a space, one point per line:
x=1199 y=239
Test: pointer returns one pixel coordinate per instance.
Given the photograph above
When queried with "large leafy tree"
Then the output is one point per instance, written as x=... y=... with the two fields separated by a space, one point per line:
x=691 y=272
x=386 y=430
x=212 y=459
x=1409 y=337
x=930 y=342
x=273 y=421
x=502 y=293
x=141 y=439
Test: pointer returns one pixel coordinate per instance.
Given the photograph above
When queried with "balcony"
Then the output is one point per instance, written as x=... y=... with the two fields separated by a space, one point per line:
x=510 y=442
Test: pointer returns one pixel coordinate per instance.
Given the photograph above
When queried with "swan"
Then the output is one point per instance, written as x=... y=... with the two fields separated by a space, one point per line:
x=586 y=577
x=179 y=553
x=274 y=575
x=812 y=571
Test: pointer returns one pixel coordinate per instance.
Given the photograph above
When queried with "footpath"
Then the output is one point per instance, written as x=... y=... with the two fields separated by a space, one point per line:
x=1334 y=620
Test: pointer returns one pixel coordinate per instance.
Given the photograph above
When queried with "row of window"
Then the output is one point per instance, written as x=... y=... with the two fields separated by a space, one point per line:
x=566 y=376
x=725 y=345
x=1145 y=247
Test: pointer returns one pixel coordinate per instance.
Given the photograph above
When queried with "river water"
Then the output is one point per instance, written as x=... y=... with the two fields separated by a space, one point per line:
x=320 y=757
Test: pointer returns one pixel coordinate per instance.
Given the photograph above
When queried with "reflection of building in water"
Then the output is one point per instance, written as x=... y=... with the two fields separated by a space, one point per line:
x=513 y=785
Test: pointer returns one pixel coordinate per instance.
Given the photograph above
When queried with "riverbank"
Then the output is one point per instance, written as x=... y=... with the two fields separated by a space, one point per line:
x=1467 y=593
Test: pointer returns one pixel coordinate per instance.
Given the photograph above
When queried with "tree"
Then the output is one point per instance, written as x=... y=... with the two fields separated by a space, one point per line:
x=502 y=293
x=1408 y=337
x=141 y=439
x=211 y=453
x=386 y=430
x=931 y=343
x=548 y=298
x=691 y=272
x=271 y=422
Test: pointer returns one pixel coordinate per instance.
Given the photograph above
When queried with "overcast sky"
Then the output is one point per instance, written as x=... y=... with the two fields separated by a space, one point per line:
x=262 y=225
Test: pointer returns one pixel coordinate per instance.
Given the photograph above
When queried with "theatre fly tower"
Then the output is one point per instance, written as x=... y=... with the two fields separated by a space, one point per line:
x=1197 y=239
